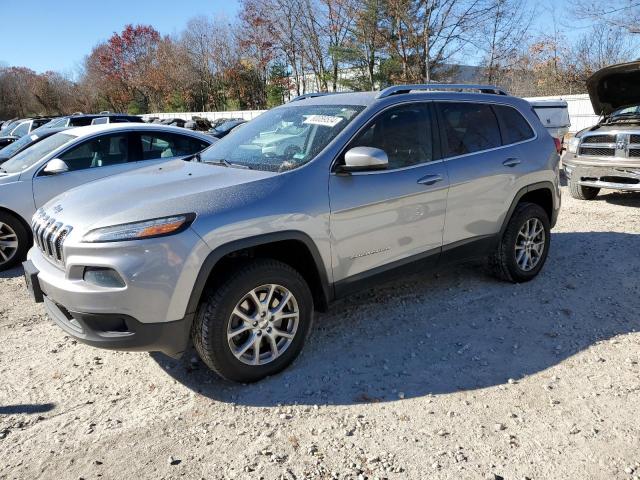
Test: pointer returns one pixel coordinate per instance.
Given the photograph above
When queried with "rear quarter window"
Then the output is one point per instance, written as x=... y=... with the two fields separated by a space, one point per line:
x=515 y=127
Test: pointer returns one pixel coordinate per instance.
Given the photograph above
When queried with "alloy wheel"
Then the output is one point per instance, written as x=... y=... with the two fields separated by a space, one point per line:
x=8 y=243
x=263 y=324
x=530 y=244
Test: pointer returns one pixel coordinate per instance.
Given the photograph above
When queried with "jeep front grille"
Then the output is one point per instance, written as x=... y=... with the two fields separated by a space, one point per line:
x=634 y=138
x=49 y=235
x=598 y=152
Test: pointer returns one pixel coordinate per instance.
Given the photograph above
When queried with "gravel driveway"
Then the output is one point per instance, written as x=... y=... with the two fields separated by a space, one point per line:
x=450 y=375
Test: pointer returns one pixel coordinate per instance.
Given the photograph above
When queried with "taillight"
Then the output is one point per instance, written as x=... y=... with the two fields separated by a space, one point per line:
x=558 y=143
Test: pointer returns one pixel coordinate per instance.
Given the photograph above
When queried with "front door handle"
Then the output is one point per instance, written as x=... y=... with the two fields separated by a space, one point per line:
x=511 y=162
x=430 y=179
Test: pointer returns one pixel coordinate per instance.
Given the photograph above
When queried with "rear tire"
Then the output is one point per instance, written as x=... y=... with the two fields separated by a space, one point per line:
x=524 y=246
x=14 y=241
x=243 y=312
x=581 y=192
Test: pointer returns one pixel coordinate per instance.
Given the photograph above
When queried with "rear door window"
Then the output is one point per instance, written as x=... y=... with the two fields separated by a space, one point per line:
x=468 y=128
x=513 y=125
x=40 y=122
x=168 y=145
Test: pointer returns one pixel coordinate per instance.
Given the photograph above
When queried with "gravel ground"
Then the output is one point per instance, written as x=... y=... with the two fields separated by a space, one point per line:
x=449 y=375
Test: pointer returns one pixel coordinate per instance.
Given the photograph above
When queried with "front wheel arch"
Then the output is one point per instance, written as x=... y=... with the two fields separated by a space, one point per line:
x=315 y=275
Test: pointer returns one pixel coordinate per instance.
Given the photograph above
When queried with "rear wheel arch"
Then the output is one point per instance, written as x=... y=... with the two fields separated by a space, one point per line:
x=294 y=248
x=539 y=194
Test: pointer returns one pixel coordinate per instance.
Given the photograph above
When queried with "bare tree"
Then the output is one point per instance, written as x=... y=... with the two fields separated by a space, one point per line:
x=622 y=14
x=502 y=35
x=339 y=17
x=314 y=41
x=602 y=46
x=426 y=34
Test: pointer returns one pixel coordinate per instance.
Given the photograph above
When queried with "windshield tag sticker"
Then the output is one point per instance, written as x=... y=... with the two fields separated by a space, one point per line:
x=324 y=120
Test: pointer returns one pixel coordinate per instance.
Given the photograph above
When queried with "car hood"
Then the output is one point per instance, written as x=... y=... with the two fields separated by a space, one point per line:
x=615 y=87
x=168 y=189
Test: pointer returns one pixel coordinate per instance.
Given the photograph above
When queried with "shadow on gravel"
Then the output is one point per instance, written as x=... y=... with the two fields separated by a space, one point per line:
x=458 y=330
x=27 y=408
x=12 y=273
x=624 y=199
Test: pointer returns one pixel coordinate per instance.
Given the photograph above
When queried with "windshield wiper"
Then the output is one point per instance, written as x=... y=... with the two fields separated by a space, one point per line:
x=226 y=163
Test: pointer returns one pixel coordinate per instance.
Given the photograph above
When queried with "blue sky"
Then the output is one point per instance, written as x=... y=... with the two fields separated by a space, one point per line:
x=57 y=34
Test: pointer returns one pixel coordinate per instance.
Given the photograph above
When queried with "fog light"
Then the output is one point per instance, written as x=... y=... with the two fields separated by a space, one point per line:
x=103 y=277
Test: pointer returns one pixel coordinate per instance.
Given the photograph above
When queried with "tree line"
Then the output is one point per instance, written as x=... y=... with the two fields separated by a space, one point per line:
x=276 y=49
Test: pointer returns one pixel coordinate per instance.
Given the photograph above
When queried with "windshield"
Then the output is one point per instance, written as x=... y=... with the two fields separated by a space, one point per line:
x=283 y=138
x=5 y=131
x=627 y=112
x=12 y=148
x=31 y=155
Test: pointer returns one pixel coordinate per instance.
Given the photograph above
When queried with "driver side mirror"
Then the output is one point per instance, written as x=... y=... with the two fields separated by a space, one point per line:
x=360 y=159
x=55 y=166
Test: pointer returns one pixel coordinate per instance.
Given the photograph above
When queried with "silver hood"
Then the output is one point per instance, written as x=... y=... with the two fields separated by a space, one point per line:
x=171 y=188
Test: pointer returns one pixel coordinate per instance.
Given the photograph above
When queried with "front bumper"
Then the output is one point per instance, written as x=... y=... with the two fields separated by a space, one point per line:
x=121 y=332
x=149 y=313
x=610 y=175
x=111 y=330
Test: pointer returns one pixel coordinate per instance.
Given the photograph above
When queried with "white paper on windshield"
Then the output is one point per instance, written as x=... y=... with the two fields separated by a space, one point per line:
x=324 y=120
x=33 y=137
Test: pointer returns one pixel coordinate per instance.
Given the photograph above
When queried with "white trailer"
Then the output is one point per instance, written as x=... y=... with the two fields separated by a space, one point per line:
x=554 y=115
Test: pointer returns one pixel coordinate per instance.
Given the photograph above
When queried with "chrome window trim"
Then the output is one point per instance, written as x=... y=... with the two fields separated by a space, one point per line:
x=444 y=159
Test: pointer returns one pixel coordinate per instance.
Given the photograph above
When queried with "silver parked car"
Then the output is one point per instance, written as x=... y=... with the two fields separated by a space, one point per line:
x=74 y=157
x=607 y=155
x=237 y=251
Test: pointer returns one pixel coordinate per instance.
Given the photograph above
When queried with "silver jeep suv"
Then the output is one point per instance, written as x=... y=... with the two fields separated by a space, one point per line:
x=308 y=202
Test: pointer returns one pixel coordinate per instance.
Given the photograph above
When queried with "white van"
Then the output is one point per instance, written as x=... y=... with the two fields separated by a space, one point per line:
x=554 y=115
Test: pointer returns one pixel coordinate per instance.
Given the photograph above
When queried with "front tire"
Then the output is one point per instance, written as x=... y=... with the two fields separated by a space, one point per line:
x=581 y=192
x=524 y=246
x=255 y=323
x=14 y=241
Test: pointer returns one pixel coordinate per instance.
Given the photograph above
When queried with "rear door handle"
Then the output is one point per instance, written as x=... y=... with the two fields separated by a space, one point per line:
x=511 y=162
x=430 y=179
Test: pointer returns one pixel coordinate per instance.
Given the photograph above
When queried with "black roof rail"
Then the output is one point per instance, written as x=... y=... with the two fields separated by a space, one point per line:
x=400 y=89
x=304 y=96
